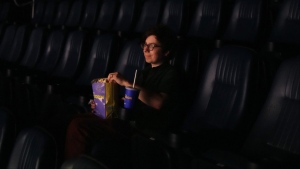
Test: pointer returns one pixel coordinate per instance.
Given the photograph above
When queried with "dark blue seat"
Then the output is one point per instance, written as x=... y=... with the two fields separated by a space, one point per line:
x=206 y=20
x=90 y=13
x=131 y=58
x=83 y=161
x=39 y=9
x=246 y=24
x=34 y=49
x=126 y=16
x=283 y=41
x=34 y=148
x=75 y=14
x=7 y=135
x=7 y=40
x=62 y=12
x=150 y=15
x=13 y=45
x=175 y=15
x=217 y=115
x=100 y=61
x=287 y=24
x=106 y=15
x=274 y=139
x=49 y=13
x=52 y=52
x=222 y=99
x=72 y=56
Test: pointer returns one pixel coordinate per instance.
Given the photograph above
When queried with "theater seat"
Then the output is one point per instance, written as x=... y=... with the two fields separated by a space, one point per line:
x=62 y=12
x=219 y=114
x=82 y=162
x=246 y=24
x=106 y=15
x=126 y=16
x=150 y=15
x=131 y=58
x=34 y=148
x=90 y=13
x=274 y=139
x=7 y=135
x=175 y=15
x=207 y=19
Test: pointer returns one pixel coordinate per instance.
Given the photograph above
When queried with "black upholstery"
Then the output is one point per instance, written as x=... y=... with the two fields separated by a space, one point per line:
x=223 y=90
x=72 y=55
x=131 y=58
x=90 y=13
x=175 y=15
x=286 y=27
x=75 y=14
x=53 y=50
x=82 y=162
x=206 y=20
x=126 y=15
x=39 y=9
x=221 y=104
x=150 y=15
x=19 y=45
x=34 y=148
x=245 y=24
x=100 y=60
x=7 y=40
x=49 y=13
x=7 y=135
x=61 y=13
x=273 y=141
x=106 y=15
x=34 y=48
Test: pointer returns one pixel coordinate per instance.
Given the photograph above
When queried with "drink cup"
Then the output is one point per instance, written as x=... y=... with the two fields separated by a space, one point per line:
x=131 y=95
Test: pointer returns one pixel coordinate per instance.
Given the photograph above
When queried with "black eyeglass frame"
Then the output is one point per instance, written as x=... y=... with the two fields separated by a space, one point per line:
x=150 y=46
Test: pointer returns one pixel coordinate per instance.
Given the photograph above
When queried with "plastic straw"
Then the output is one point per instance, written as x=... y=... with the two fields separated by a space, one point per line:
x=134 y=78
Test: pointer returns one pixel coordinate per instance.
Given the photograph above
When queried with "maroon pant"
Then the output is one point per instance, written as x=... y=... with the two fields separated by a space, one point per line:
x=86 y=129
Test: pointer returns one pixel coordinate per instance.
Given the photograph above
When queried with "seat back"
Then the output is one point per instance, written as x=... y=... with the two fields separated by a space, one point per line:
x=7 y=135
x=83 y=161
x=245 y=24
x=126 y=15
x=34 y=148
x=275 y=135
x=206 y=19
x=220 y=101
x=175 y=15
x=34 y=48
x=106 y=15
x=7 y=40
x=75 y=14
x=150 y=15
x=287 y=25
x=19 y=45
x=49 y=13
x=72 y=55
x=100 y=60
x=62 y=12
x=89 y=14
x=52 y=52
x=39 y=9
x=131 y=58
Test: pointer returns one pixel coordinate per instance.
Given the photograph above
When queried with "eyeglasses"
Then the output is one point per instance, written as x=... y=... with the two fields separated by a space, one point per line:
x=149 y=46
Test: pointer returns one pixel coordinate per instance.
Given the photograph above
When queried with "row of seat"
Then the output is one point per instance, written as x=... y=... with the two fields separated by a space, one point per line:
x=65 y=60
x=213 y=137
x=217 y=132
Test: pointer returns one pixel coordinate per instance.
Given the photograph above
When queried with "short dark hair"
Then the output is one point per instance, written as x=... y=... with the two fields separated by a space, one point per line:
x=164 y=35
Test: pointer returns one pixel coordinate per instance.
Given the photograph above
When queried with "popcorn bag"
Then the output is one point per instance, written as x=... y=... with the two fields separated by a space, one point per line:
x=105 y=97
